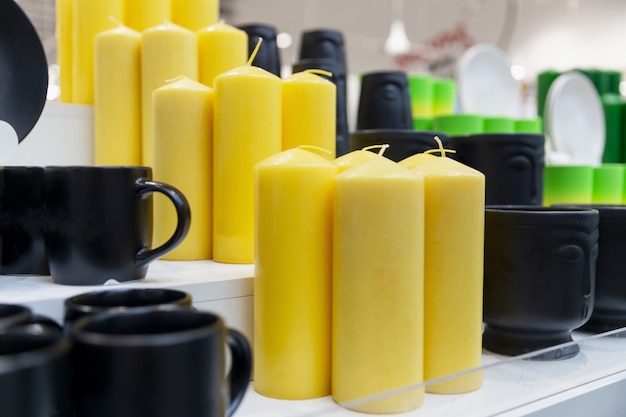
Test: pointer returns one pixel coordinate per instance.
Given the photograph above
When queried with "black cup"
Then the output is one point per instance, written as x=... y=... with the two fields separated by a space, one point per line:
x=15 y=314
x=159 y=362
x=267 y=56
x=23 y=249
x=34 y=373
x=384 y=101
x=539 y=278
x=513 y=164
x=96 y=302
x=330 y=65
x=100 y=223
x=609 y=311
x=402 y=143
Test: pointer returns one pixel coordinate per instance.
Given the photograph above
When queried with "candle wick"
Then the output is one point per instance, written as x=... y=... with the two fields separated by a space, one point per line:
x=254 y=52
x=319 y=72
x=440 y=148
x=180 y=77
x=114 y=20
x=316 y=148
x=382 y=150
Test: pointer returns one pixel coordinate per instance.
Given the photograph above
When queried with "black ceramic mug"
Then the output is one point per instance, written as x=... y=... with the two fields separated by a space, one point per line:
x=34 y=373
x=159 y=362
x=23 y=249
x=121 y=299
x=384 y=101
x=99 y=223
x=539 y=278
x=15 y=314
x=267 y=56
x=609 y=311
x=513 y=164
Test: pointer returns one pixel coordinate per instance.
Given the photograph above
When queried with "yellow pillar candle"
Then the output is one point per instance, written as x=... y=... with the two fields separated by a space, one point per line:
x=293 y=270
x=358 y=157
x=89 y=17
x=247 y=131
x=183 y=155
x=221 y=47
x=309 y=116
x=378 y=276
x=144 y=14
x=453 y=273
x=117 y=97
x=63 y=15
x=195 y=14
x=167 y=51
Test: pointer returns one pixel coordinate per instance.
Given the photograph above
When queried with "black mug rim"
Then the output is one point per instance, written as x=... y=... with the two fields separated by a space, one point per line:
x=81 y=333
x=58 y=345
x=84 y=302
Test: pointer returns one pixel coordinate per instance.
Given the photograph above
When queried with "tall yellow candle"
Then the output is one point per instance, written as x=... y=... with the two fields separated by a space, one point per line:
x=117 y=97
x=453 y=274
x=195 y=14
x=63 y=13
x=183 y=155
x=89 y=18
x=378 y=276
x=144 y=14
x=293 y=271
x=247 y=131
x=221 y=47
x=167 y=51
x=309 y=116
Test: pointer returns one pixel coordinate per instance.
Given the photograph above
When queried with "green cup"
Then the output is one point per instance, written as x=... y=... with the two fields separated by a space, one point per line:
x=532 y=125
x=458 y=124
x=421 y=91
x=544 y=81
x=568 y=184
x=608 y=184
x=422 y=123
x=498 y=125
x=613 y=144
x=444 y=96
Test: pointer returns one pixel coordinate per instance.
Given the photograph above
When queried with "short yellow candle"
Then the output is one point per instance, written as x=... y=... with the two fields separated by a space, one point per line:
x=293 y=270
x=378 y=276
x=309 y=116
x=89 y=18
x=183 y=155
x=195 y=14
x=144 y=14
x=221 y=47
x=453 y=274
x=358 y=157
x=117 y=97
x=247 y=131
x=63 y=10
x=167 y=51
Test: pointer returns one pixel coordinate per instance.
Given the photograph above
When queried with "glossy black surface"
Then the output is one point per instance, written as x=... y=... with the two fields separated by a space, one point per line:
x=384 y=101
x=513 y=164
x=23 y=249
x=99 y=223
x=23 y=70
x=540 y=269
x=14 y=315
x=181 y=350
x=121 y=299
x=403 y=143
x=34 y=373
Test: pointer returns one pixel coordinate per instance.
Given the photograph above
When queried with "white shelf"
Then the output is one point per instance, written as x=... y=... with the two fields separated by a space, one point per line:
x=589 y=384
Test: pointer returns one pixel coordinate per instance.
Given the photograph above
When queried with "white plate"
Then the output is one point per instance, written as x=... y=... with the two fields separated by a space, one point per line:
x=574 y=119
x=485 y=84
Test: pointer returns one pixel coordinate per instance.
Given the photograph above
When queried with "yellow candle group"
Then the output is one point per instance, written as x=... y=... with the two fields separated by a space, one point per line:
x=247 y=131
x=117 y=97
x=293 y=269
x=183 y=155
x=378 y=276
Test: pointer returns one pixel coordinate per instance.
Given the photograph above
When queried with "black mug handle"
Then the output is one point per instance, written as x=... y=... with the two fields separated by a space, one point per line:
x=145 y=187
x=241 y=368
